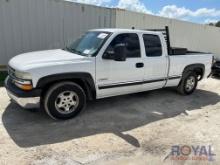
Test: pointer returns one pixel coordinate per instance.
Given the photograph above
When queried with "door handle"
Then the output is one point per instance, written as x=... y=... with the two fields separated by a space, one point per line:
x=139 y=65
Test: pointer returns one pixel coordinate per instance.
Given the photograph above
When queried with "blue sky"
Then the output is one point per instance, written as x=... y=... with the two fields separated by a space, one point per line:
x=200 y=11
x=156 y=5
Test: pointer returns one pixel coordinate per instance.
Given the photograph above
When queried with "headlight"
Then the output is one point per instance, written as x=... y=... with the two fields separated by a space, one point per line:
x=23 y=75
x=25 y=85
x=23 y=80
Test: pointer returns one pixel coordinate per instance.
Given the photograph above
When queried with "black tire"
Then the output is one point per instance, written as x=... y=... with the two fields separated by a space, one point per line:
x=52 y=95
x=182 y=87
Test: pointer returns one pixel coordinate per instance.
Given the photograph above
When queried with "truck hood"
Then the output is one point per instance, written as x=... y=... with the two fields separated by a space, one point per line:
x=24 y=61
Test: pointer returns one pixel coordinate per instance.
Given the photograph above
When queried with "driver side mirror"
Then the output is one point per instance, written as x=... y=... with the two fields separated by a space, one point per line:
x=118 y=54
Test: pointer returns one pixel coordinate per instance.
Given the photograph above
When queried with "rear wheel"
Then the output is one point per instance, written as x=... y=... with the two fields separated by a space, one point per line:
x=188 y=83
x=64 y=100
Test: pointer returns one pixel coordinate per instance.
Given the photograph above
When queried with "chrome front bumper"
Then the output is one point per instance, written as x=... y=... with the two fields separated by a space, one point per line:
x=27 y=103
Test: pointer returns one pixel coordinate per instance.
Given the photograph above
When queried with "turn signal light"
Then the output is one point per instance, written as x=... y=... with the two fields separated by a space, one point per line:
x=25 y=87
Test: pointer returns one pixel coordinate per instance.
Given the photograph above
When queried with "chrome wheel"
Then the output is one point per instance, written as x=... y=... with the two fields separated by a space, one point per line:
x=67 y=102
x=190 y=83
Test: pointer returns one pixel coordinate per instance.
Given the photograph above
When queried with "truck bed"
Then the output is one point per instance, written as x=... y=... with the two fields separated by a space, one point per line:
x=179 y=62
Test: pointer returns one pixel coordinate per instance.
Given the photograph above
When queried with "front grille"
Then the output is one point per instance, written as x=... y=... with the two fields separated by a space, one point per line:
x=11 y=72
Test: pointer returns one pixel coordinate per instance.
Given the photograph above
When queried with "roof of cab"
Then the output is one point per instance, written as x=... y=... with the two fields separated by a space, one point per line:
x=113 y=30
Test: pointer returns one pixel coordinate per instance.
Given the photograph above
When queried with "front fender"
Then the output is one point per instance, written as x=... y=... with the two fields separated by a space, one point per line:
x=86 y=78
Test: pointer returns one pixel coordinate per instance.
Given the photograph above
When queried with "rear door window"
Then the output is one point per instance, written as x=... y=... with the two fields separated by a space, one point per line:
x=153 y=47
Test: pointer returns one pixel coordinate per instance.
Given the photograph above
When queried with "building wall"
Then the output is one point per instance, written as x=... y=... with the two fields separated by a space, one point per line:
x=31 y=25
x=182 y=34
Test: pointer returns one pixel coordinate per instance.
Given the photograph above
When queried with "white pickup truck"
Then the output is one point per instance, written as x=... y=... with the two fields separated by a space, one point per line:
x=103 y=63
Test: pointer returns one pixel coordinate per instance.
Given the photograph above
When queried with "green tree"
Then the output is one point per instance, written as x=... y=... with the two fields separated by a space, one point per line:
x=217 y=24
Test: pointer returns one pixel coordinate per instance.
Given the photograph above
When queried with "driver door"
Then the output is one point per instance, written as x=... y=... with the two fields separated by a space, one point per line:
x=120 y=77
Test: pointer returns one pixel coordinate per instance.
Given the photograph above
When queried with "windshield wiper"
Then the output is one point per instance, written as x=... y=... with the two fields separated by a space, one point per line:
x=74 y=51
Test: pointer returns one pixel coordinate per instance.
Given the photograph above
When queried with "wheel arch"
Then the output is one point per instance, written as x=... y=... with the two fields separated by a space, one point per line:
x=83 y=79
x=199 y=69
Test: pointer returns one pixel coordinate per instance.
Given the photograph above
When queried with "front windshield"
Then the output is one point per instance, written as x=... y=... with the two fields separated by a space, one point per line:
x=88 y=44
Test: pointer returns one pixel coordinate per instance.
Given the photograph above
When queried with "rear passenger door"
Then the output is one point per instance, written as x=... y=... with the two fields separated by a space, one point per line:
x=155 y=62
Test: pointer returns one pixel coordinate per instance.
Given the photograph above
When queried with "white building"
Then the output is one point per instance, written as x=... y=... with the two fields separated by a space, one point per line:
x=30 y=25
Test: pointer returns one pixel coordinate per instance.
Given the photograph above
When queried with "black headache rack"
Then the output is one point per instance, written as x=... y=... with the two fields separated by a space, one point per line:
x=171 y=50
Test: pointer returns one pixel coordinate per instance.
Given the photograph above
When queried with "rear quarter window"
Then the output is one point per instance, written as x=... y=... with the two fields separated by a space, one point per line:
x=153 y=46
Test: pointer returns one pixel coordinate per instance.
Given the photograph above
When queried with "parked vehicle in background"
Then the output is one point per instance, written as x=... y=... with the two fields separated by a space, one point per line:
x=216 y=68
x=103 y=63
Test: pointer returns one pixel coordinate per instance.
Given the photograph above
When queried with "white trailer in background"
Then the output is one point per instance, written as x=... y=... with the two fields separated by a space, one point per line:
x=31 y=25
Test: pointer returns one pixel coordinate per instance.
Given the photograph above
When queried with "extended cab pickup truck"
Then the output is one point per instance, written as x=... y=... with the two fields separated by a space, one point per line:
x=103 y=63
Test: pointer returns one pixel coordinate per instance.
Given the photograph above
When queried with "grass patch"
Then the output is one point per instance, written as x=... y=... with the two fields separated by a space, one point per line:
x=2 y=78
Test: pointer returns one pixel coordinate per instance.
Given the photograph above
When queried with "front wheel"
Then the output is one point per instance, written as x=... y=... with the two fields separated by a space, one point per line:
x=188 y=83
x=64 y=100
